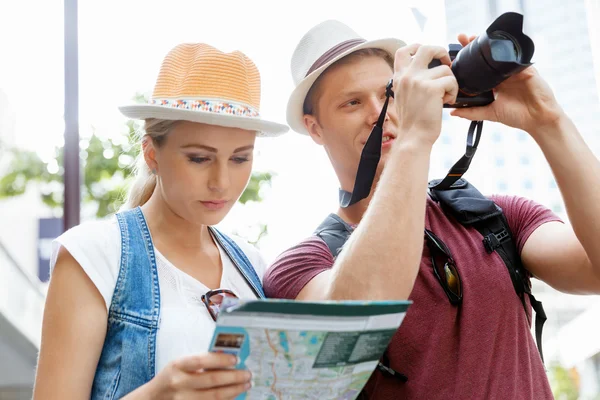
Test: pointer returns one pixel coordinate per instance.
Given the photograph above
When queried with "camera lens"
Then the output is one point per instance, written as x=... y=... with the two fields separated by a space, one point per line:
x=502 y=51
x=504 y=48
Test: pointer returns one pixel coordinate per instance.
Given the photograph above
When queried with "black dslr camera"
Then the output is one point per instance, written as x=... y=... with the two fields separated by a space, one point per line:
x=502 y=51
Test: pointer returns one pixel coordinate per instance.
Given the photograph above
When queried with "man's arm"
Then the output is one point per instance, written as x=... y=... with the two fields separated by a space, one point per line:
x=566 y=258
x=382 y=257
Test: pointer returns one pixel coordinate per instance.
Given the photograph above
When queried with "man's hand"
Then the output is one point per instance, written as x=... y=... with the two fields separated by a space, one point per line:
x=420 y=92
x=523 y=101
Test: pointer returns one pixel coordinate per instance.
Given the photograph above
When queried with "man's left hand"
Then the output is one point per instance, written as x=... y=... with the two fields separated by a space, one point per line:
x=523 y=101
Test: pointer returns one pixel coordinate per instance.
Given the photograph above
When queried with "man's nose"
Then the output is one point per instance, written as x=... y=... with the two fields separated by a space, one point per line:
x=375 y=105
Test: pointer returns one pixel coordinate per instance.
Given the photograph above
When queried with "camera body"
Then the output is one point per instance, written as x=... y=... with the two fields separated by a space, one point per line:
x=464 y=100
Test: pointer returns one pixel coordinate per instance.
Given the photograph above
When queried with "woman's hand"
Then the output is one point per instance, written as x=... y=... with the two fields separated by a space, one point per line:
x=205 y=376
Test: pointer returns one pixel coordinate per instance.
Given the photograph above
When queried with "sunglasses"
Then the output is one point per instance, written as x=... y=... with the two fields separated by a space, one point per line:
x=444 y=267
x=213 y=300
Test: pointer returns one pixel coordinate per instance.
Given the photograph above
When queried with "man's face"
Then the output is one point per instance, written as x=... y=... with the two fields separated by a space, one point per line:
x=348 y=101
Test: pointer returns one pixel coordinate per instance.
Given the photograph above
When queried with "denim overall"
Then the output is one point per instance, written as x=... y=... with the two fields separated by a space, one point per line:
x=128 y=356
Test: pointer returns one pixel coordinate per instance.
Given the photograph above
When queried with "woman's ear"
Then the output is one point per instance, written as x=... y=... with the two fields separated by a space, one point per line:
x=149 y=150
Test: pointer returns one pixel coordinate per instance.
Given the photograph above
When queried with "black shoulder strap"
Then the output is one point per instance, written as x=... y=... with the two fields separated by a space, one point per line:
x=334 y=231
x=470 y=207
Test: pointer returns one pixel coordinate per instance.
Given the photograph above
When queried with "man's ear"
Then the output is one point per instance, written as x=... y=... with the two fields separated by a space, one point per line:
x=149 y=150
x=314 y=128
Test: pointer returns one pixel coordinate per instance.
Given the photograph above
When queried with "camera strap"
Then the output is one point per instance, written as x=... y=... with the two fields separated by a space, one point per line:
x=371 y=154
x=462 y=165
x=369 y=159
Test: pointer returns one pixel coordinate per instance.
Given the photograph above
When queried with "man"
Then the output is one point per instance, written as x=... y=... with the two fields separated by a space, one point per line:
x=482 y=347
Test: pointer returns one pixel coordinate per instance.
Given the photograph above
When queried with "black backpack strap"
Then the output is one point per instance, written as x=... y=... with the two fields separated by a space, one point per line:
x=540 y=319
x=384 y=367
x=470 y=207
x=334 y=231
x=498 y=237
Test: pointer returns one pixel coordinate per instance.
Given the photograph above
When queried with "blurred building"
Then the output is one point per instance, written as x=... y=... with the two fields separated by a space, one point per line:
x=21 y=294
x=7 y=121
x=567 y=55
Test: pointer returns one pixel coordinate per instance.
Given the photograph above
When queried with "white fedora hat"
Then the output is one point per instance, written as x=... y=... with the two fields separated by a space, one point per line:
x=199 y=83
x=320 y=47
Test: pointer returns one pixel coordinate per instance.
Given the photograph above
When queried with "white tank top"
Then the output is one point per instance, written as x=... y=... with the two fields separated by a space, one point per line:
x=185 y=326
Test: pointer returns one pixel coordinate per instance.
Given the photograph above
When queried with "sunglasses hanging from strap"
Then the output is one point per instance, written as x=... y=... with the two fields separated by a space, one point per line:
x=371 y=155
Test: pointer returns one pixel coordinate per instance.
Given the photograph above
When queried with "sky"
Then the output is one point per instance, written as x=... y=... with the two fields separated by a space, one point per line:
x=122 y=44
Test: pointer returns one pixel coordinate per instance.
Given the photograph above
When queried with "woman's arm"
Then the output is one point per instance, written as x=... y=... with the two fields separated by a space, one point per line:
x=73 y=332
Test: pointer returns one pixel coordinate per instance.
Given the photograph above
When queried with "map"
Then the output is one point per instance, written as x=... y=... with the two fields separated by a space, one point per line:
x=301 y=350
x=284 y=361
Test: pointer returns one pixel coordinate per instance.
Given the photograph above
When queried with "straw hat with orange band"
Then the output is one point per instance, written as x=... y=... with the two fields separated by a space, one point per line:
x=199 y=83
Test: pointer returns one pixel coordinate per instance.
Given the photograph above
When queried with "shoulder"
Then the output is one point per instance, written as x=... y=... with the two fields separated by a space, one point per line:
x=521 y=210
x=96 y=246
x=296 y=266
x=511 y=203
x=99 y=235
x=312 y=245
x=253 y=254
x=524 y=216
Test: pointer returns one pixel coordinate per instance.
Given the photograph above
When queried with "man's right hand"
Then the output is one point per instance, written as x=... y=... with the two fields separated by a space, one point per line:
x=420 y=92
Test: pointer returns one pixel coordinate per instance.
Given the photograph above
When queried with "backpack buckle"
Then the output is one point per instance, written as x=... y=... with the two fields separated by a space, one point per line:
x=494 y=240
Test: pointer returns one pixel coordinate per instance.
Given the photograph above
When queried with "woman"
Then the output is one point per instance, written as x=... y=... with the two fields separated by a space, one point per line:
x=132 y=302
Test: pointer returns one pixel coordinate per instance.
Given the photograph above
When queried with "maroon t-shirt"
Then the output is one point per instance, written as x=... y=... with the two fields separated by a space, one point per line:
x=481 y=349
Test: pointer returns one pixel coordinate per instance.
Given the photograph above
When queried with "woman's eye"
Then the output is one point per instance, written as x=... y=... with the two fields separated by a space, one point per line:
x=198 y=160
x=240 y=160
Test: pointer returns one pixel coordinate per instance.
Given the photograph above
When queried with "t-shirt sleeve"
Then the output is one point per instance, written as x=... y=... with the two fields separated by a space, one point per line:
x=95 y=245
x=295 y=267
x=524 y=216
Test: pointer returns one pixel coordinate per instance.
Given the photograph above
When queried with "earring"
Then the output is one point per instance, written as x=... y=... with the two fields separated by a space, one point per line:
x=153 y=172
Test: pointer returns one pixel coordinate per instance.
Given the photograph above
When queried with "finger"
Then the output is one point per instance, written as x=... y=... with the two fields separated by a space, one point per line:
x=206 y=361
x=475 y=113
x=449 y=99
x=463 y=39
x=438 y=72
x=404 y=55
x=229 y=392
x=425 y=54
x=450 y=86
x=215 y=379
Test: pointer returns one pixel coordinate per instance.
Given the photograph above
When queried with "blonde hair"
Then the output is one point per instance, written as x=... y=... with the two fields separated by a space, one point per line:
x=144 y=181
